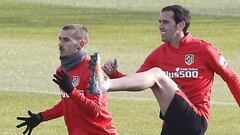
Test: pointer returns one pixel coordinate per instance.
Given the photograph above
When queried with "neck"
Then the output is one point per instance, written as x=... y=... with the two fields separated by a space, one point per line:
x=73 y=60
x=176 y=40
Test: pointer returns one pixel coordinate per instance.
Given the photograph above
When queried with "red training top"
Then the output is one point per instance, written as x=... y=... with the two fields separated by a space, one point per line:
x=84 y=113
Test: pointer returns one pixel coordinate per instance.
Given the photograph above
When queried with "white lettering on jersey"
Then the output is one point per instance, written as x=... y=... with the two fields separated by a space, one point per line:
x=183 y=73
x=222 y=61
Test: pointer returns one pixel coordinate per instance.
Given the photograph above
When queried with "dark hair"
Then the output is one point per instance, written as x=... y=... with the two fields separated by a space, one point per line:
x=180 y=14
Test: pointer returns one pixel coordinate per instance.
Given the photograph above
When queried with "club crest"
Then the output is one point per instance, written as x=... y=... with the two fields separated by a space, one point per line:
x=75 y=81
x=189 y=59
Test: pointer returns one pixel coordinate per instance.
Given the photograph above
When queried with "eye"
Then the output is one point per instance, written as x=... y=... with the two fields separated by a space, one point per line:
x=163 y=21
x=65 y=39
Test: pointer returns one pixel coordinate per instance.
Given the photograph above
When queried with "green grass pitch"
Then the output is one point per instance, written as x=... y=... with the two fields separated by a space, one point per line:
x=126 y=30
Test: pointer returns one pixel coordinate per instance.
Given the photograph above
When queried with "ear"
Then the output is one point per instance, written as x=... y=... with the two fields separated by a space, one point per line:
x=81 y=44
x=181 y=25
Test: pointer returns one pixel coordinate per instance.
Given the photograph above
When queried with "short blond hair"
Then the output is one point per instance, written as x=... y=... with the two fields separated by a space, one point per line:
x=81 y=31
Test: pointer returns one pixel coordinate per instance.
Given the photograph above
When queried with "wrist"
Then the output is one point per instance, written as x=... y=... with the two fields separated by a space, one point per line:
x=40 y=117
x=70 y=91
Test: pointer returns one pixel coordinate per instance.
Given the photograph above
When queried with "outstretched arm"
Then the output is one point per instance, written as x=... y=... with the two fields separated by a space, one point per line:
x=31 y=122
x=220 y=65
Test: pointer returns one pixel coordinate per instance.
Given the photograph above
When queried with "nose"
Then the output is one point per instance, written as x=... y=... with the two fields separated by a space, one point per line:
x=60 y=44
x=161 y=27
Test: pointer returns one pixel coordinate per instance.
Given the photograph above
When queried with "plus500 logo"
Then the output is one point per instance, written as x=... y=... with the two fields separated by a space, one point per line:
x=183 y=73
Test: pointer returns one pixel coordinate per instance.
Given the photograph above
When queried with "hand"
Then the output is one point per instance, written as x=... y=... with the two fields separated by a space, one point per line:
x=31 y=122
x=110 y=67
x=64 y=81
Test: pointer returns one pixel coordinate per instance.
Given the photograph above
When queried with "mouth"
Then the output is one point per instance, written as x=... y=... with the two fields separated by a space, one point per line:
x=61 y=49
x=163 y=33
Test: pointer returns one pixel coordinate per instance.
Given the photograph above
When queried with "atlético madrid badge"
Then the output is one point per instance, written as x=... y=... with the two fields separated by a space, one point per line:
x=189 y=59
x=75 y=81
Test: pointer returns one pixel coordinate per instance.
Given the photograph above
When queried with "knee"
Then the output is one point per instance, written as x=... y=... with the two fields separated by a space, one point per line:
x=157 y=73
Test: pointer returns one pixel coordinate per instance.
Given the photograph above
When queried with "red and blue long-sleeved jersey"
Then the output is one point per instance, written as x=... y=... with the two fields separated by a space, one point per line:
x=84 y=113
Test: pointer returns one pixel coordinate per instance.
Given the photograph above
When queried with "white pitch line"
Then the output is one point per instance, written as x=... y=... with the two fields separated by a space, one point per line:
x=152 y=99
x=33 y=91
x=113 y=97
x=224 y=103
